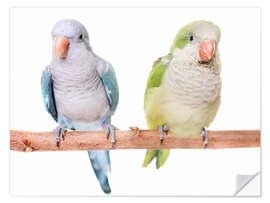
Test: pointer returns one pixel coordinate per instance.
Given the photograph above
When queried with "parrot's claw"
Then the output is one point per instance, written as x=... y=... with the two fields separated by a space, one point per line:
x=163 y=128
x=59 y=133
x=112 y=131
x=204 y=135
x=109 y=130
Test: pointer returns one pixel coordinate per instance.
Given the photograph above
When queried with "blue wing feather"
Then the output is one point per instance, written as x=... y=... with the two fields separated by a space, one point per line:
x=111 y=87
x=47 y=93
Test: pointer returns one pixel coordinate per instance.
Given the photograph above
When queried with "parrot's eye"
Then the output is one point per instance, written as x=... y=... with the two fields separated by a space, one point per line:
x=80 y=37
x=191 y=38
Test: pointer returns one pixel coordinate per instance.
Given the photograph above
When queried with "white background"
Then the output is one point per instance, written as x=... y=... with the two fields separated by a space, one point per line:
x=131 y=39
x=4 y=83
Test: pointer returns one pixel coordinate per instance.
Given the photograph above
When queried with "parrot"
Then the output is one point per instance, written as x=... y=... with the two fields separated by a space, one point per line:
x=183 y=91
x=80 y=91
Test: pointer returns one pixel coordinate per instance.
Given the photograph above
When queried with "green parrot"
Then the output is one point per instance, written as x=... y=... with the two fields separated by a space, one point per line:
x=183 y=90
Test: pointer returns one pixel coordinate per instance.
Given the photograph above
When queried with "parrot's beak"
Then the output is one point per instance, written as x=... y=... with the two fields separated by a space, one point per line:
x=61 y=45
x=207 y=50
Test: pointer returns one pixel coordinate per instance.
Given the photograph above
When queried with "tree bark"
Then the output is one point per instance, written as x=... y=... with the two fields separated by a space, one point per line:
x=129 y=139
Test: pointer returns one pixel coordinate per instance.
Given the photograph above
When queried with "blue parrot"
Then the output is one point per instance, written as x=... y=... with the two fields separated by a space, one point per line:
x=80 y=91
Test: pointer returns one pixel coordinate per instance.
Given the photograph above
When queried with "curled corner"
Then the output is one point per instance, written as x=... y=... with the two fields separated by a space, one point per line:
x=248 y=185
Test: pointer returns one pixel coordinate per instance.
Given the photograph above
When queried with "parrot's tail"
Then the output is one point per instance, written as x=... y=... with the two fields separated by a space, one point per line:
x=161 y=155
x=101 y=164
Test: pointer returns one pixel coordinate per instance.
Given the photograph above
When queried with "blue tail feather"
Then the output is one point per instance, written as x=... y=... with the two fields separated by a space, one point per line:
x=100 y=161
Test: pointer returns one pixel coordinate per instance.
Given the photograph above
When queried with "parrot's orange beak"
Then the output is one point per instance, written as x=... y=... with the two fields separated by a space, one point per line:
x=61 y=45
x=207 y=49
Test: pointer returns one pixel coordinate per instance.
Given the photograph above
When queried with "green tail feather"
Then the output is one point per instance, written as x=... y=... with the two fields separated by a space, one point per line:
x=150 y=154
x=161 y=155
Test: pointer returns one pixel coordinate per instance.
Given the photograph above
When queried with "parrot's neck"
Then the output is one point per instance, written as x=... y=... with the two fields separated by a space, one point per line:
x=193 y=85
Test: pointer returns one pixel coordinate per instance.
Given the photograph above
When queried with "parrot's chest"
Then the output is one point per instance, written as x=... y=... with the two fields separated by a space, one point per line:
x=186 y=104
x=80 y=96
x=191 y=99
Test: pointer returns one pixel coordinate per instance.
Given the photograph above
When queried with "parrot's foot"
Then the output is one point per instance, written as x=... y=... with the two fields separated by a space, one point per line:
x=204 y=135
x=109 y=130
x=163 y=128
x=59 y=133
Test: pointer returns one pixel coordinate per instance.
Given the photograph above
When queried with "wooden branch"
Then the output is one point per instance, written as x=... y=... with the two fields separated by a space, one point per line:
x=130 y=139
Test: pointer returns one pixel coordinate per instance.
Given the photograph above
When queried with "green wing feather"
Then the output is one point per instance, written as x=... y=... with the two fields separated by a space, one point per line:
x=156 y=75
x=158 y=71
x=154 y=81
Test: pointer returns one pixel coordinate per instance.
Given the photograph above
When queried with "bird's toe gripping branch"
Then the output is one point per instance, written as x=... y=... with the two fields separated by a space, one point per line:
x=163 y=128
x=110 y=130
x=204 y=135
x=59 y=133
